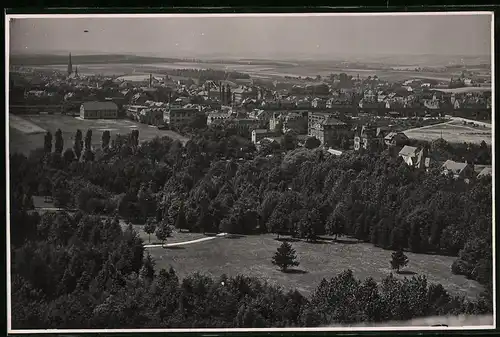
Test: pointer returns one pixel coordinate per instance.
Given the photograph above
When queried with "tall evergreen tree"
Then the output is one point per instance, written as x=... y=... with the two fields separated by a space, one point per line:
x=180 y=222
x=148 y=268
x=59 y=144
x=106 y=136
x=47 y=145
x=88 y=140
x=285 y=257
x=78 y=144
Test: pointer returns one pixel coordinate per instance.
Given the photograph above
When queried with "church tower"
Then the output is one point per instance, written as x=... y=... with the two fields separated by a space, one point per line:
x=70 y=66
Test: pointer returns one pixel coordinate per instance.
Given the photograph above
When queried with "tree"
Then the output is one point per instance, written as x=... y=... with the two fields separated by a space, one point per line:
x=59 y=145
x=148 y=268
x=285 y=257
x=134 y=137
x=289 y=141
x=398 y=260
x=180 y=222
x=162 y=233
x=310 y=225
x=68 y=155
x=47 y=145
x=78 y=144
x=312 y=143
x=106 y=136
x=150 y=228
x=88 y=140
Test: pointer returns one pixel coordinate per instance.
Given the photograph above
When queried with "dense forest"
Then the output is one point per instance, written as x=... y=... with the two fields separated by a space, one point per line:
x=80 y=270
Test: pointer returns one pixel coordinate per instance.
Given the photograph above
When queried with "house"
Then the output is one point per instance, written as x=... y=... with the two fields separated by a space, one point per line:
x=98 y=110
x=409 y=154
x=240 y=94
x=216 y=118
x=334 y=152
x=369 y=136
x=423 y=159
x=318 y=103
x=458 y=169
x=246 y=122
x=485 y=172
x=176 y=116
x=259 y=134
x=296 y=122
x=325 y=128
x=275 y=120
x=395 y=139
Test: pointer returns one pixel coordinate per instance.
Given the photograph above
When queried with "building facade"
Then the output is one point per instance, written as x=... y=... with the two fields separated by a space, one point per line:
x=99 y=110
x=178 y=116
x=259 y=134
x=325 y=127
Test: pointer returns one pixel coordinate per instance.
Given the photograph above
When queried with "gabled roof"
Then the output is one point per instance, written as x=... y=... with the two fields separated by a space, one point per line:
x=108 y=105
x=390 y=135
x=410 y=151
x=454 y=166
x=485 y=172
x=334 y=152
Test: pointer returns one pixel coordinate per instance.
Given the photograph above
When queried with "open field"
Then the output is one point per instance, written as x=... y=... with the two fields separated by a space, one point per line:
x=25 y=142
x=466 y=89
x=257 y=70
x=251 y=256
x=453 y=132
x=24 y=126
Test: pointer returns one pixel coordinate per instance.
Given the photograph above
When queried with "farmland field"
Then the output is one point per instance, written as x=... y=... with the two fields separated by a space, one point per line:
x=453 y=132
x=251 y=256
x=260 y=70
x=20 y=141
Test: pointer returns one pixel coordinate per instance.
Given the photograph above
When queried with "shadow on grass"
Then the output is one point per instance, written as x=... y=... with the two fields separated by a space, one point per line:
x=406 y=272
x=319 y=242
x=296 y=271
x=174 y=247
x=234 y=236
x=346 y=242
x=287 y=239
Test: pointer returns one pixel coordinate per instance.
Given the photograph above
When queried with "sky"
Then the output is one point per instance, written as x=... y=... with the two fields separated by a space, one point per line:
x=257 y=37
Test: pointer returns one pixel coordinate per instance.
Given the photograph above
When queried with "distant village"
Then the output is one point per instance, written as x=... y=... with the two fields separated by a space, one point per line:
x=369 y=112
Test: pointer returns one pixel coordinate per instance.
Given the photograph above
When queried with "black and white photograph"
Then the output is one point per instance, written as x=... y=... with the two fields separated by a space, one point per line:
x=255 y=172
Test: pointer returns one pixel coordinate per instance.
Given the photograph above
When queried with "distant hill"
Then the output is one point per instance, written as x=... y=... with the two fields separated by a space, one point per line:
x=43 y=59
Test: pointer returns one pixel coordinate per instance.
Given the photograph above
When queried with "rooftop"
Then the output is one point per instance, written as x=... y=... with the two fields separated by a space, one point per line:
x=454 y=166
x=408 y=151
x=108 y=105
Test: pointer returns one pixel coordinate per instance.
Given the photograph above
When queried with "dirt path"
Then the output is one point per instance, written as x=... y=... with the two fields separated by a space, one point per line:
x=186 y=242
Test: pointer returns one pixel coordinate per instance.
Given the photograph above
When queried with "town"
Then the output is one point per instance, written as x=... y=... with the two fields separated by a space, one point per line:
x=150 y=192
x=340 y=112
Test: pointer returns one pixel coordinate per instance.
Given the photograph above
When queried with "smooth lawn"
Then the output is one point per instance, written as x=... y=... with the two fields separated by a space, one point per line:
x=251 y=256
x=24 y=143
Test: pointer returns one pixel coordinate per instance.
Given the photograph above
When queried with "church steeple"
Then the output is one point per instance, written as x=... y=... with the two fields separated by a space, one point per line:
x=70 y=65
x=76 y=71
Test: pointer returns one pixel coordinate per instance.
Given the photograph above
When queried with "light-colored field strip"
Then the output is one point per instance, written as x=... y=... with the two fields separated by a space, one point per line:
x=451 y=132
x=24 y=126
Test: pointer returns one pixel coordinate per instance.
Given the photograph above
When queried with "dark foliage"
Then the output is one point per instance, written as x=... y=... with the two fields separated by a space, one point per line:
x=83 y=271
